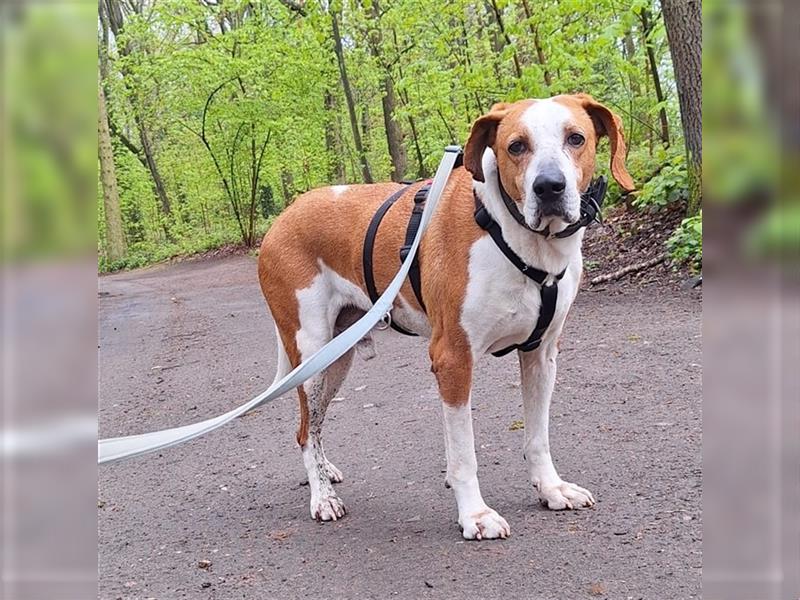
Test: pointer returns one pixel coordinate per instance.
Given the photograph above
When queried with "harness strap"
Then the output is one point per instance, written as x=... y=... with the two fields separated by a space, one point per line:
x=411 y=232
x=414 y=223
x=549 y=293
x=591 y=201
x=369 y=245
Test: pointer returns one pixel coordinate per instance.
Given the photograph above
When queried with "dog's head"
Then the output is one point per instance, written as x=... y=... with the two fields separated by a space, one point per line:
x=544 y=152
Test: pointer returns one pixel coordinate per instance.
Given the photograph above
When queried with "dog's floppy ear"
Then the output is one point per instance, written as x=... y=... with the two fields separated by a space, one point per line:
x=481 y=137
x=499 y=106
x=608 y=123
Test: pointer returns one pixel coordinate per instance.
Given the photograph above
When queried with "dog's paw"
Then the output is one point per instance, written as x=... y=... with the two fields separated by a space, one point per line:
x=484 y=525
x=565 y=495
x=334 y=474
x=327 y=508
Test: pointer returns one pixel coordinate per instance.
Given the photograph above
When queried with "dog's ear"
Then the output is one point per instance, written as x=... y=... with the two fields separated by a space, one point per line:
x=499 y=106
x=481 y=137
x=608 y=123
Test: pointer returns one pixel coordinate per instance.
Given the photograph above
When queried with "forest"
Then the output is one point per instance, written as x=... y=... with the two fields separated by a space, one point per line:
x=214 y=114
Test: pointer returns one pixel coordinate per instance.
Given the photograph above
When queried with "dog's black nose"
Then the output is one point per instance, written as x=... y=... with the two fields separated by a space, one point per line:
x=549 y=187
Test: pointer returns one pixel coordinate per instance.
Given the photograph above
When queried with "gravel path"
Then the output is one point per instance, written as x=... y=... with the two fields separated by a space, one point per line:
x=185 y=342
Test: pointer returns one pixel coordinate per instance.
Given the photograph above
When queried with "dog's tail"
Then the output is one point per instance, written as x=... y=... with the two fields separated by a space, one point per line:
x=284 y=365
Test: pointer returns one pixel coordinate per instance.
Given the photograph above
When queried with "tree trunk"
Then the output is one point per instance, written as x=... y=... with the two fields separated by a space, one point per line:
x=499 y=19
x=348 y=95
x=112 y=17
x=287 y=186
x=115 y=240
x=647 y=28
x=537 y=43
x=422 y=173
x=394 y=136
x=684 y=27
x=333 y=143
x=150 y=163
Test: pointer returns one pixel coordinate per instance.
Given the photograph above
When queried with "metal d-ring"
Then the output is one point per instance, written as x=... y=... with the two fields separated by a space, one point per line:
x=385 y=322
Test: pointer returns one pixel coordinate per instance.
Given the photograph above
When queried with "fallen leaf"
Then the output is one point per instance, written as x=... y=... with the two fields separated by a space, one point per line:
x=597 y=589
x=516 y=425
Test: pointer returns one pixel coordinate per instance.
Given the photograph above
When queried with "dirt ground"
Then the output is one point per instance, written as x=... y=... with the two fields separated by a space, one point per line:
x=226 y=516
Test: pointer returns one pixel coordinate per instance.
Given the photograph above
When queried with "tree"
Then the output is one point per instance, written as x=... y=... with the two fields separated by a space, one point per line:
x=115 y=240
x=683 y=22
x=112 y=17
x=394 y=135
x=348 y=94
x=238 y=161
x=211 y=102
x=647 y=31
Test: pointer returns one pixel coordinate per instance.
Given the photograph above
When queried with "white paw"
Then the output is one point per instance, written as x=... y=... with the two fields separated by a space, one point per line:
x=484 y=525
x=334 y=474
x=327 y=508
x=565 y=495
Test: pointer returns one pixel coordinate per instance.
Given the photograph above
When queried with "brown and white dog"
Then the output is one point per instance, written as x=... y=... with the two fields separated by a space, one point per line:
x=310 y=268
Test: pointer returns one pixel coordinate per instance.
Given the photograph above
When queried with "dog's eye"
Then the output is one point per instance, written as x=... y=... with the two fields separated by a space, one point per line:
x=576 y=139
x=517 y=148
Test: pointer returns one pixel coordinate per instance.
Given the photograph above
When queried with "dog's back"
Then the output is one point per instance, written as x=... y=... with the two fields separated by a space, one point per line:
x=319 y=225
x=324 y=229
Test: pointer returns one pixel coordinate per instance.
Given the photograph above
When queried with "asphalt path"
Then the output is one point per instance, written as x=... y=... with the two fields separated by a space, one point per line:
x=226 y=516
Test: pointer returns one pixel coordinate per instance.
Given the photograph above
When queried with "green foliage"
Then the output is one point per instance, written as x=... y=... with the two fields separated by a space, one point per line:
x=142 y=254
x=777 y=235
x=278 y=81
x=669 y=185
x=685 y=245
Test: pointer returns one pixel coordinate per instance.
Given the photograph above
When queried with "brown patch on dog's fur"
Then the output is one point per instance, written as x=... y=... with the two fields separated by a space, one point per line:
x=323 y=226
x=489 y=132
x=604 y=122
x=502 y=125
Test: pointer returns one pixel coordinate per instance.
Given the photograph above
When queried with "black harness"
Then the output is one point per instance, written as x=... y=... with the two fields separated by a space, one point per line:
x=411 y=232
x=591 y=201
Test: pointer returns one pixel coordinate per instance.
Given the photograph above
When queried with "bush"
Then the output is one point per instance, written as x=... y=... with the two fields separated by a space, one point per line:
x=142 y=254
x=686 y=242
x=670 y=184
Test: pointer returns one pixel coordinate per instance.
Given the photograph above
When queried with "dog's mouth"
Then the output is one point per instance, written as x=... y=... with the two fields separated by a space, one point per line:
x=554 y=220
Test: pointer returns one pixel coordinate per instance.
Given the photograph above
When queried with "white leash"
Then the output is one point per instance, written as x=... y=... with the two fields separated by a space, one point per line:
x=114 y=449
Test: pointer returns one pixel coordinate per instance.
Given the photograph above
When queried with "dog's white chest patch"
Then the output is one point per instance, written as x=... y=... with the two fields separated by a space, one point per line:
x=501 y=305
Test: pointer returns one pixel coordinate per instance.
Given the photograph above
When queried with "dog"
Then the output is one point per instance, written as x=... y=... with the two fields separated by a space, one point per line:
x=540 y=154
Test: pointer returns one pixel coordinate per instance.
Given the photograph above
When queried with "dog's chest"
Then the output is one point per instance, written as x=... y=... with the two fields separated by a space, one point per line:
x=501 y=305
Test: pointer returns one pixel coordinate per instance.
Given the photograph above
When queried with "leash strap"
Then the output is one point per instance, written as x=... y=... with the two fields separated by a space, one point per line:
x=549 y=293
x=114 y=449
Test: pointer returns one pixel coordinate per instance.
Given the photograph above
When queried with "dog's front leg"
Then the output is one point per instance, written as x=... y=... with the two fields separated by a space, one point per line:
x=538 y=369
x=453 y=371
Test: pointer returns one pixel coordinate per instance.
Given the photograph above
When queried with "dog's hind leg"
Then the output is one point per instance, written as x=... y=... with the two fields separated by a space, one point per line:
x=317 y=393
x=317 y=328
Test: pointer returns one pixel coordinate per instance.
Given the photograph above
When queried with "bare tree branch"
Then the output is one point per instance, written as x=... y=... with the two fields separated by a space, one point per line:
x=126 y=141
